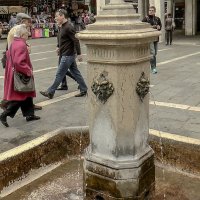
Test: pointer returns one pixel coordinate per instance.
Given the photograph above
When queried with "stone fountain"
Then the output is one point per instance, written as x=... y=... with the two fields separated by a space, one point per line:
x=119 y=164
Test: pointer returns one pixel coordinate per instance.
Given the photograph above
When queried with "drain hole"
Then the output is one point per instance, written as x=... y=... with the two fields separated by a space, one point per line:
x=99 y=198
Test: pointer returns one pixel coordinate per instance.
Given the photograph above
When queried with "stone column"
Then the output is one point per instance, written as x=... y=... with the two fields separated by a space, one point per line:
x=190 y=17
x=143 y=6
x=119 y=164
x=160 y=12
x=170 y=7
x=100 y=4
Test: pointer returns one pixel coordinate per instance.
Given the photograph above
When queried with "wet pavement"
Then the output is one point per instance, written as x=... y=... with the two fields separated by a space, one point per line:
x=66 y=183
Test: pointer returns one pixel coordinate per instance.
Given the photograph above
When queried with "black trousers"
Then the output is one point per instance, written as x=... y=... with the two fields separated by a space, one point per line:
x=169 y=37
x=64 y=81
x=26 y=106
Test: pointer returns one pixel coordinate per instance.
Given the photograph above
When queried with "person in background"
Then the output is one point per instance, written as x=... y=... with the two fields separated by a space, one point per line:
x=21 y=18
x=169 y=28
x=68 y=45
x=1 y=29
x=156 y=24
x=18 y=57
x=12 y=21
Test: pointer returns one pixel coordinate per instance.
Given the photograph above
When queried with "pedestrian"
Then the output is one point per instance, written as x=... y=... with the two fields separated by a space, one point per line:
x=68 y=45
x=169 y=28
x=19 y=61
x=64 y=85
x=21 y=18
x=156 y=24
x=12 y=21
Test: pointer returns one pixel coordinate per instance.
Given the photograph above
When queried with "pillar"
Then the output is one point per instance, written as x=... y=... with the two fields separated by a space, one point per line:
x=100 y=4
x=143 y=6
x=190 y=17
x=119 y=163
x=160 y=12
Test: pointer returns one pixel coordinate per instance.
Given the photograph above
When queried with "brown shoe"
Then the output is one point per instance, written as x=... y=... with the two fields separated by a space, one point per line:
x=46 y=94
x=81 y=94
x=37 y=107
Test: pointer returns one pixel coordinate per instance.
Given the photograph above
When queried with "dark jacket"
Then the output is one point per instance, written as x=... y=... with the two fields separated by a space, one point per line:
x=169 y=24
x=68 y=44
x=154 y=21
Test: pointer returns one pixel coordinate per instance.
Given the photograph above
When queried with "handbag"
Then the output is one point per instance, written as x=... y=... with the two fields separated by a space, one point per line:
x=22 y=82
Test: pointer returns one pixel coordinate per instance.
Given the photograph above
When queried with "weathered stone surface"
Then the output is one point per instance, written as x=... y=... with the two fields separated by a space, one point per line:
x=132 y=182
x=182 y=156
x=118 y=46
x=53 y=147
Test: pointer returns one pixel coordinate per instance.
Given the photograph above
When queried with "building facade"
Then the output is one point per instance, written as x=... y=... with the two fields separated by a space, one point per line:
x=186 y=13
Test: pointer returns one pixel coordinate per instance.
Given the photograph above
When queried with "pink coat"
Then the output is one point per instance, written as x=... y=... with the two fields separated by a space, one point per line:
x=22 y=63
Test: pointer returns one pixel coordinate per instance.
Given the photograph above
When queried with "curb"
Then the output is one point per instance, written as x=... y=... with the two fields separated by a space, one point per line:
x=179 y=152
x=45 y=150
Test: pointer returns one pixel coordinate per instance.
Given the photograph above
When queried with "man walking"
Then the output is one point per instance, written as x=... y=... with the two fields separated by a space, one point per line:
x=68 y=45
x=156 y=24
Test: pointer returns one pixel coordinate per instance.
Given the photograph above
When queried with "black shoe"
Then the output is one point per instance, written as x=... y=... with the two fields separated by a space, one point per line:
x=4 y=104
x=31 y=118
x=62 y=88
x=37 y=107
x=46 y=94
x=3 y=119
x=81 y=94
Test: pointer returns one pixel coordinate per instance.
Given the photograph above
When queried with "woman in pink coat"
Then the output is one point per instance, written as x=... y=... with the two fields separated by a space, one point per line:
x=21 y=61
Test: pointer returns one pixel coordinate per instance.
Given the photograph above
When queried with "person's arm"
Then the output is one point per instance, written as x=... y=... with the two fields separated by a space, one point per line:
x=159 y=24
x=58 y=41
x=19 y=58
x=145 y=19
x=71 y=34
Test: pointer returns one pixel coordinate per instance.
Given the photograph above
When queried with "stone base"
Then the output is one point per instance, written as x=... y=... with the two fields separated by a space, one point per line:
x=104 y=183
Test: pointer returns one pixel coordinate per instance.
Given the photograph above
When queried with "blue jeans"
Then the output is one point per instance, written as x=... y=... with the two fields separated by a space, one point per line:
x=153 y=52
x=67 y=62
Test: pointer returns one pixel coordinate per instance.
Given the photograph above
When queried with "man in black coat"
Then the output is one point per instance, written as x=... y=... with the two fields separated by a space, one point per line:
x=68 y=45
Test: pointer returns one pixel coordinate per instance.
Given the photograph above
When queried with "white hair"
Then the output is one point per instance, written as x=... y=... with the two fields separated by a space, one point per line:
x=20 y=30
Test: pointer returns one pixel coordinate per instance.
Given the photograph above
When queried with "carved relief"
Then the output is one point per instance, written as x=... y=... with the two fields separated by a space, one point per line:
x=142 y=87
x=102 y=88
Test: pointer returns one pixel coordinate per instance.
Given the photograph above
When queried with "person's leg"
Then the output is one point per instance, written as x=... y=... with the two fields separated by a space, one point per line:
x=170 y=37
x=65 y=63
x=64 y=81
x=167 y=37
x=10 y=111
x=27 y=108
x=153 y=56
x=78 y=77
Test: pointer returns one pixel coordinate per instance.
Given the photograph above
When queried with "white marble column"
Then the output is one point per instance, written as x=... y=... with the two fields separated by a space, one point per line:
x=190 y=17
x=143 y=6
x=100 y=4
x=160 y=12
x=170 y=6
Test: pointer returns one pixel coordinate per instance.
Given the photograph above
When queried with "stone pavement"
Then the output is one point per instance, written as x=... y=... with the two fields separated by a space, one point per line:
x=175 y=94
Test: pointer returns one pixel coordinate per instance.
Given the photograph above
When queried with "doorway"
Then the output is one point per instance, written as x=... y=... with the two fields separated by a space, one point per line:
x=198 y=15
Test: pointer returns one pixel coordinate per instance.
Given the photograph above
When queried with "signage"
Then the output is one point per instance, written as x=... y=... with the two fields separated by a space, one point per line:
x=15 y=9
x=3 y=10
